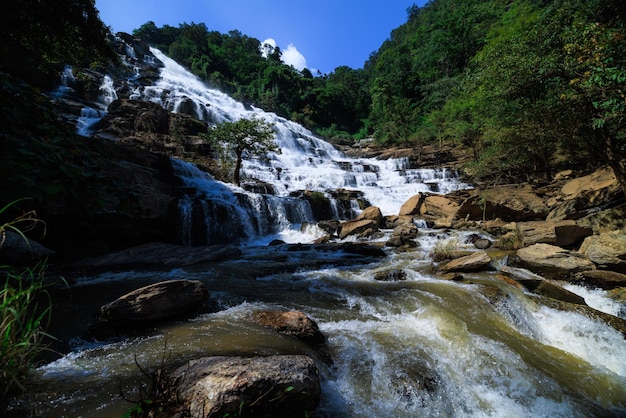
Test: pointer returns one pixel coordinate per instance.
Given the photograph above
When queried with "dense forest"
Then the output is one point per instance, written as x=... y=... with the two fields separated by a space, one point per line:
x=526 y=85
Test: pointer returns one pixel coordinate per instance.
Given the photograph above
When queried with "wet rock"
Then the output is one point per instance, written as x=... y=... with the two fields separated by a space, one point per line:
x=392 y=221
x=551 y=261
x=603 y=279
x=18 y=250
x=360 y=228
x=157 y=301
x=362 y=248
x=479 y=242
x=539 y=285
x=390 y=275
x=608 y=251
x=407 y=231
x=330 y=226
x=371 y=213
x=275 y=386
x=160 y=254
x=478 y=260
x=293 y=323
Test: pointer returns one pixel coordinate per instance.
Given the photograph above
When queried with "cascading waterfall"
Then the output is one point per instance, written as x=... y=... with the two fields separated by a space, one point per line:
x=305 y=163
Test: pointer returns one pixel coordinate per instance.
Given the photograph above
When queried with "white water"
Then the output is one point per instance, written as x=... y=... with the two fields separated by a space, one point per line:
x=305 y=163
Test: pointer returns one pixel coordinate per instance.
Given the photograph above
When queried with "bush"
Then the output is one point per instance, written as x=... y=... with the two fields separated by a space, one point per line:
x=22 y=315
x=443 y=250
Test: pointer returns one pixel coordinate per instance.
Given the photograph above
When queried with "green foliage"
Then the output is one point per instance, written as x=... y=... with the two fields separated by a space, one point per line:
x=244 y=138
x=39 y=36
x=23 y=316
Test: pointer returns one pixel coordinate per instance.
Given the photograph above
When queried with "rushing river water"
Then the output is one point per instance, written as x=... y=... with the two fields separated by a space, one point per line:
x=417 y=347
x=420 y=347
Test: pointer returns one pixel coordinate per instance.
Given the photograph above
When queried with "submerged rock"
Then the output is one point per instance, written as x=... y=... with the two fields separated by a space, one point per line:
x=293 y=323
x=276 y=386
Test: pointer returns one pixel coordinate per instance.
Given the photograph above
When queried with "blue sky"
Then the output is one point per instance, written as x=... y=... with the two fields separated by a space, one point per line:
x=320 y=34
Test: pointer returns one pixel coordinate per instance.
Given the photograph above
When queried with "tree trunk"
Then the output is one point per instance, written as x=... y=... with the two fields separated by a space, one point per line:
x=236 y=174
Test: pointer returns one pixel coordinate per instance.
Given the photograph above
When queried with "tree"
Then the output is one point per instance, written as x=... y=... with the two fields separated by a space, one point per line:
x=244 y=138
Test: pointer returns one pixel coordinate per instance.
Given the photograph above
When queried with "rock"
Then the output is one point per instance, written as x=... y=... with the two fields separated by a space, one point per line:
x=160 y=254
x=559 y=233
x=541 y=286
x=479 y=243
x=406 y=232
x=390 y=275
x=509 y=203
x=18 y=250
x=372 y=213
x=478 y=260
x=361 y=228
x=330 y=226
x=276 y=386
x=608 y=251
x=603 y=279
x=413 y=205
x=580 y=195
x=392 y=221
x=439 y=207
x=293 y=323
x=603 y=221
x=157 y=301
x=362 y=248
x=551 y=261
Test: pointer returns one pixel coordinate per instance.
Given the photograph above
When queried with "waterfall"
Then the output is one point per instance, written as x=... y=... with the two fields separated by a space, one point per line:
x=305 y=163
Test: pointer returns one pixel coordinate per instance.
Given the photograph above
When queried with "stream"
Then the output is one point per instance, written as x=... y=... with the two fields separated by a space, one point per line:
x=419 y=347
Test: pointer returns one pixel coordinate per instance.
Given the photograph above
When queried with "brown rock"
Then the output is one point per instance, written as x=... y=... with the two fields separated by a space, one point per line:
x=476 y=261
x=362 y=228
x=559 y=233
x=439 y=207
x=551 y=261
x=603 y=279
x=392 y=221
x=157 y=301
x=294 y=323
x=275 y=386
x=412 y=206
x=371 y=213
x=509 y=203
x=608 y=251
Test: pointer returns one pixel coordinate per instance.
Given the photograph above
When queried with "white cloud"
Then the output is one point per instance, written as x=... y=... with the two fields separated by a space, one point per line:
x=290 y=56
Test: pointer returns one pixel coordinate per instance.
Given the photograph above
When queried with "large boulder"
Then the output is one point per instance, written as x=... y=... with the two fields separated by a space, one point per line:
x=541 y=286
x=608 y=251
x=560 y=233
x=413 y=205
x=604 y=279
x=276 y=386
x=371 y=213
x=293 y=323
x=154 y=302
x=478 y=260
x=18 y=249
x=439 y=207
x=509 y=203
x=551 y=262
x=364 y=227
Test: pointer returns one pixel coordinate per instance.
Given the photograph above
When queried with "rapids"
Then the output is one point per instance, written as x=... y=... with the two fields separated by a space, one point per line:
x=418 y=347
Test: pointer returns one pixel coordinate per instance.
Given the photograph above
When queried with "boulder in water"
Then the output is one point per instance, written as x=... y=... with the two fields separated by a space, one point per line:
x=551 y=262
x=293 y=323
x=478 y=260
x=603 y=279
x=274 y=386
x=154 y=302
x=361 y=228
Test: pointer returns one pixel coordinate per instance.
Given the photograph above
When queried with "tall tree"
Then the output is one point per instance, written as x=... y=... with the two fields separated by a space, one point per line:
x=244 y=138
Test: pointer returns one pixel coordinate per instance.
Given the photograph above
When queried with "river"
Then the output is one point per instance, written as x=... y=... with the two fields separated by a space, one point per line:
x=415 y=347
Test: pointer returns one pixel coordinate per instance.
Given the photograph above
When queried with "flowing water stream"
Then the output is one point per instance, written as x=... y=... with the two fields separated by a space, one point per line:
x=417 y=347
